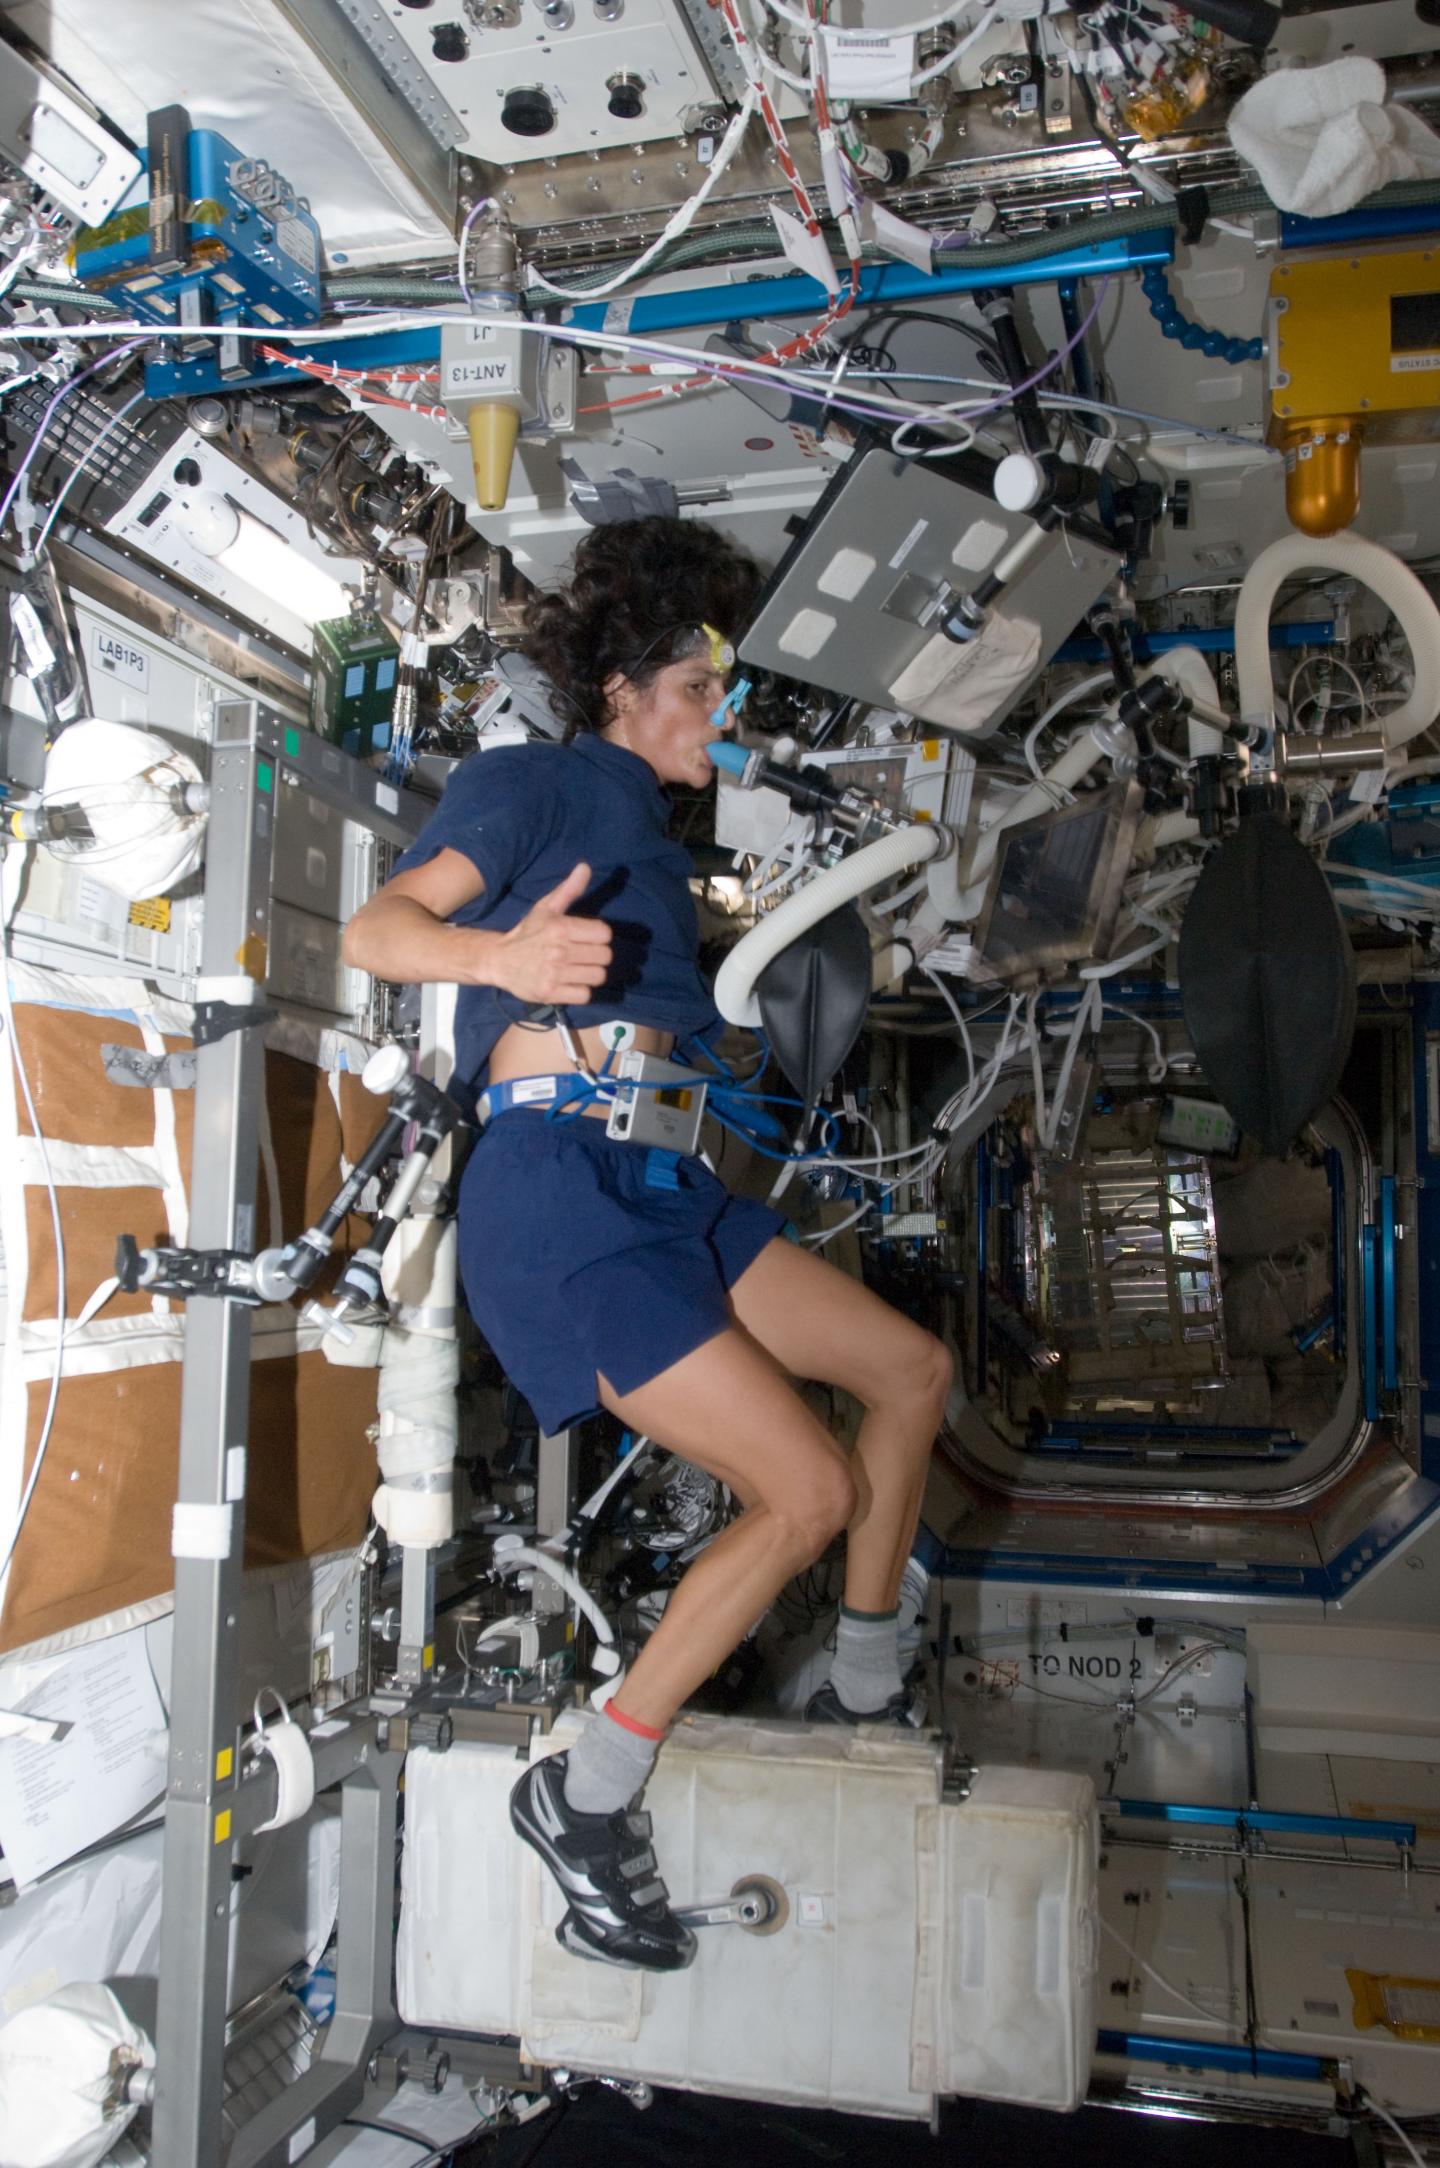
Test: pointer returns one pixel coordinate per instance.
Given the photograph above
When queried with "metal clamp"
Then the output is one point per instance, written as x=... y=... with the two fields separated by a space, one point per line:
x=957 y=1773
x=217 y=1019
x=756 y=1903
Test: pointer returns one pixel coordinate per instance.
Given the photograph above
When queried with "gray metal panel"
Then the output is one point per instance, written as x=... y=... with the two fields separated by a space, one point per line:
x=415 y=132
x=214 y=1416
x=857 y=601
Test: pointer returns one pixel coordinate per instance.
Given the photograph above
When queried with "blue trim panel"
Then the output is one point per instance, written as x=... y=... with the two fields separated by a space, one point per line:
x=1216 y=2055
x=167 y=378
x=982 y=1260
x=1370 y=1347
x=1213 y=640
x=1425 y=1015
x=1376 y=225
x=1389 y=1324
x=1335 y=1176
x=799 y=296
x=689 y=310
x=1131 y=1576
x=1242 y=1818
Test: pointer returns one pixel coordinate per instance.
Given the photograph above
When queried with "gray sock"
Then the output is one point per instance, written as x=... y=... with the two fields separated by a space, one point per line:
x=866 y=1670
x=607 y=1766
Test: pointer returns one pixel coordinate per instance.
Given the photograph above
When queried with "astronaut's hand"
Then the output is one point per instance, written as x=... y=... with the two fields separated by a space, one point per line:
x=553 y=958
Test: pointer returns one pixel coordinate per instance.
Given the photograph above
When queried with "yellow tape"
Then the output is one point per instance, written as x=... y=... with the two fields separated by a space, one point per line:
x=152 y=912
x=224 y=1764
x=222 y=1826
x=1410 y=2009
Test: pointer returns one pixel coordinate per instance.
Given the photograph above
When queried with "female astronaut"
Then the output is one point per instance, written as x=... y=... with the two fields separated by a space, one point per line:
x=545 y=882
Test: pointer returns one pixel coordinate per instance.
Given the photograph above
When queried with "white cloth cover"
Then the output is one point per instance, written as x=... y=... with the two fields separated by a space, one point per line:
x=1322 y=139
x=55 y=2077
x=126 y=782
x=968 y=688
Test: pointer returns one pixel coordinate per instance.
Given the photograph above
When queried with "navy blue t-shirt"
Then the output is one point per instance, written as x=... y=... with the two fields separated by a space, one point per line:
x=524 y=815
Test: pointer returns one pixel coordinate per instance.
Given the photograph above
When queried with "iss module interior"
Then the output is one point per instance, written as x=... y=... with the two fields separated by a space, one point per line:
x=719 y=1079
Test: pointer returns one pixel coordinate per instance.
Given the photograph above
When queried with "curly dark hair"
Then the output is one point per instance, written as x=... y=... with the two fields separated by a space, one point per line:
x=638 y=588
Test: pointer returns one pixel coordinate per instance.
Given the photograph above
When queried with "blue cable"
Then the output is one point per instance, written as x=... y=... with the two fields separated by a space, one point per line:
x=1165 y=309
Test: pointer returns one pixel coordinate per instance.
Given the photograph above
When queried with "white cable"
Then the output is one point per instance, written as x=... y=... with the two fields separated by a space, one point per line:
x=1374 y=2108
x=1161 y=1063
x=588 y=1512
x=900 y=30
x=1067 y=699
x=1211 y=2017
x=1123 y=963
x=679 y=223
x=984 y=22
x=1087 y=1016
x=1380 y=880
x=394 y=319
x=1037 y=1070
x=116 y=418
x=510 y=1555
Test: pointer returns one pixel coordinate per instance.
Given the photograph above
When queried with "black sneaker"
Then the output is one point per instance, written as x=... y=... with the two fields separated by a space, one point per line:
x=605 y=1865
x=906 y=1709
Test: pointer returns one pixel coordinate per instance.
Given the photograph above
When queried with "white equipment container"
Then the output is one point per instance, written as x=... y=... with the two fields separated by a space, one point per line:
x=923 y=1948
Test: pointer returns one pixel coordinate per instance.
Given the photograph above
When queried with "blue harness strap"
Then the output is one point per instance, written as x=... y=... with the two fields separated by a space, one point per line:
x=544 y=1092
x=662 y=1168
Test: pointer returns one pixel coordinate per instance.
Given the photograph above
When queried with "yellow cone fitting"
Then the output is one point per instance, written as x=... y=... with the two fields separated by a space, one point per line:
x=494 y=426
x=1322 y=475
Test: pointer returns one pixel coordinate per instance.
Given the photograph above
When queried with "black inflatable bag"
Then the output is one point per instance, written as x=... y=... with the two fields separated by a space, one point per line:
x=1267 y=981
x=813 y=999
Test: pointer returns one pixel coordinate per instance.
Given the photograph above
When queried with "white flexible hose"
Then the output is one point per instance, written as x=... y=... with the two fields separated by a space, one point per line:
x=1356 y=559
x=897 y=853
x=511 y=1554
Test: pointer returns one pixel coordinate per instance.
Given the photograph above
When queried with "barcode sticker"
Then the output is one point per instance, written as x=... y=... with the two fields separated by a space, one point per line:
x=876 y=68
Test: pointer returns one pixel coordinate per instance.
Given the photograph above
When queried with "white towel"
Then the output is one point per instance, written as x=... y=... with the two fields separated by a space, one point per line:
x=1321 y=139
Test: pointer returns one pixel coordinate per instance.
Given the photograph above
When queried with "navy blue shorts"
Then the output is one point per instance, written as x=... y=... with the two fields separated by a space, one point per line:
x=573 y=1264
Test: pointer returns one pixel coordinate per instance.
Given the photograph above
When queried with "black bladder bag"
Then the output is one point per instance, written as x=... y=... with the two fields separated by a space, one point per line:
x=813 y=997
x=1267 y=981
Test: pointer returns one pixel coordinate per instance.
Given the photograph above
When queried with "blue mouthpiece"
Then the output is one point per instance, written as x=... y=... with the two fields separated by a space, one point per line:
x=734 y=759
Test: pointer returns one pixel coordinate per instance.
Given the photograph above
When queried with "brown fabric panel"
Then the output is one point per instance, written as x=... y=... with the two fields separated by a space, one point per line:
x=319 y=1498
x=97 y=1535
x=361 y=1114
x=75 y=1100
x=305 y=1127
x=90 y=1220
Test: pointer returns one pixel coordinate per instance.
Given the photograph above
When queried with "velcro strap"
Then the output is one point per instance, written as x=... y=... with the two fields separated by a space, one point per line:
x=640 y=1864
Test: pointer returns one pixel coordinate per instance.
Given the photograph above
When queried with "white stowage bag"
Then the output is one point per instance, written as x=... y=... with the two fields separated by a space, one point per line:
x=923 y=1945
x=1321 y=139
x=130 y=786
x=58 y=2065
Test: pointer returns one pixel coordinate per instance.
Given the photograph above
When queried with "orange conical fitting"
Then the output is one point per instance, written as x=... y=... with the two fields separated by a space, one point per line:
x=493 y=427
x=1322 y=475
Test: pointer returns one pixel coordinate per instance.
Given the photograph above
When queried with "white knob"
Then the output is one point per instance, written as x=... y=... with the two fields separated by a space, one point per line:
x=386 y=1068
x=1019 y=482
